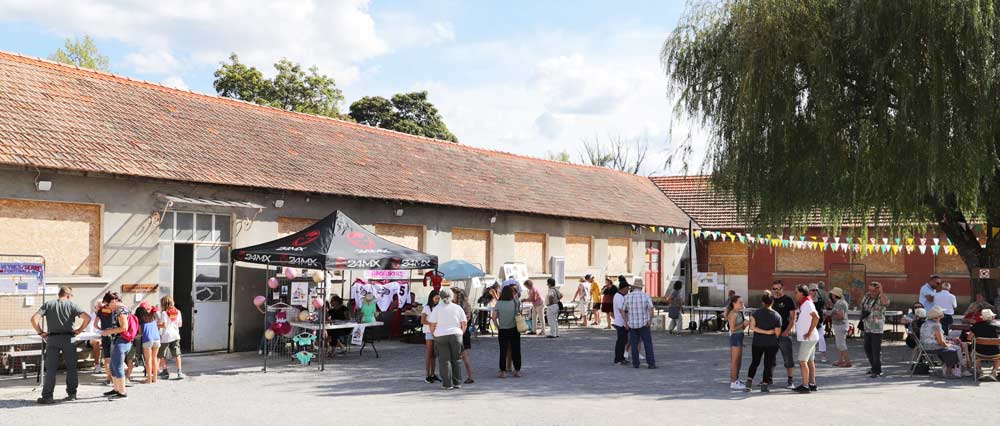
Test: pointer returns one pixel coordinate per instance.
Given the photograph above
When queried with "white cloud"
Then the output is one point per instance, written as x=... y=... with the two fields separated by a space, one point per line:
x=548 y=125
x=176 y=82
x=572 y=85
x=334 y=35
x=402 y=30
x=152 y=62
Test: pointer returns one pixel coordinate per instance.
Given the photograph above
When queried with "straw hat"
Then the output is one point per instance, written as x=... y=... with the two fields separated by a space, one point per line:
x=837 y=291
x=988 y=315
x=935 y=313
x=814 y=286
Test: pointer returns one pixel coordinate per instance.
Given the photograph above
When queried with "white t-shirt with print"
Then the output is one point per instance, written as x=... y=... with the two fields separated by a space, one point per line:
x=804 y=320
x=447 y=318
x=171 y=327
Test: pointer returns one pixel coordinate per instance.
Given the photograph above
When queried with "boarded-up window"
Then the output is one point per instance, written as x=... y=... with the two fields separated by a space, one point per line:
x=879 y=263
x=731 y=255
x=471 y=245
x=618 y=256
x=68 y=235
x=530 y=250
x=951 y=264
x=578 y=254
x=798 y=260
x=410 y=236
x=291 y=225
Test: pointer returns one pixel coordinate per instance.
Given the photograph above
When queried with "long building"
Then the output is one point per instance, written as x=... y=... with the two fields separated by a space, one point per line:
x=135 y=187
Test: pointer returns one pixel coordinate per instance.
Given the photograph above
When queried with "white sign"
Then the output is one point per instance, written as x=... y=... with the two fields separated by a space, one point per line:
x=358 y=335
x=300 y=293
x=708 y=279
x=389 y=274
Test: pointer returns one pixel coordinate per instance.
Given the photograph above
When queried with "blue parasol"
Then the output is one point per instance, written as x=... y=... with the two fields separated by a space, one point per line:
x=458 y=270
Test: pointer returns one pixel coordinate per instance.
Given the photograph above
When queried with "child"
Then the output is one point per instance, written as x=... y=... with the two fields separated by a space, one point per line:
x=150 y=342
x=170 y=321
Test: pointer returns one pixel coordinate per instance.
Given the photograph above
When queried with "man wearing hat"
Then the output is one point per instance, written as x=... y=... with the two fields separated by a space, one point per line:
x=838 y=319
x=638 y=311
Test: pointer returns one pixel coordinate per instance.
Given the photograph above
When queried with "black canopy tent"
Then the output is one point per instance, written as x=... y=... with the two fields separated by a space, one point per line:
x=334 y=242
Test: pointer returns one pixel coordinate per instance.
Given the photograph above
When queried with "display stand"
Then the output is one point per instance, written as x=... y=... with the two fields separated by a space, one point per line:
x=16 y=259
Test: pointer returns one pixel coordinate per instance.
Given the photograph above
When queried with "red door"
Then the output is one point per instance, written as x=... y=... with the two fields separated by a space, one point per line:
x=652 y=275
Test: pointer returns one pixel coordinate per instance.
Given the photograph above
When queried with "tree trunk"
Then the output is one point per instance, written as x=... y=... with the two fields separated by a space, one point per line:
x=955 y=226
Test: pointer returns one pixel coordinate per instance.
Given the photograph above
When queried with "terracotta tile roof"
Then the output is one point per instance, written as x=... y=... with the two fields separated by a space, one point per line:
x=694 y=195
x=54 y=116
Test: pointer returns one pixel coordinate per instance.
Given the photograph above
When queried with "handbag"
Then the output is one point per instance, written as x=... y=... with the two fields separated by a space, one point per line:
x=522 y=325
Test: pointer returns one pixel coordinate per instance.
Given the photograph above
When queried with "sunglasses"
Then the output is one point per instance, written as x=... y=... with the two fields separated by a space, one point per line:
x=775 y=288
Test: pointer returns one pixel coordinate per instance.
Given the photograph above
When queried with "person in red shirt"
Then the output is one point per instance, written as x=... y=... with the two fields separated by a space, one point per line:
x=537 y=316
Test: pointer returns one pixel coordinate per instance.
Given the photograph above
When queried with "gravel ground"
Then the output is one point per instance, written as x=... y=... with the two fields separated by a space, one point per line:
x=569 y=380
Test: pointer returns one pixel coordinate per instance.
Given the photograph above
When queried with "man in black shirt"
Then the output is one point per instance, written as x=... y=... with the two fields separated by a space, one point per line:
x=785 y=307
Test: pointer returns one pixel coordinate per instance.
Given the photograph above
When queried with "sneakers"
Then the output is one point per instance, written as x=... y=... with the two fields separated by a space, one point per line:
x=70 y=397
x=748 y=385
x=813 y=388
x=449 y=387
x=763 y=388
x=98 y=369
x=737 y=386
x=457 y=386
x=45 y=401
x=801 y=389
x=181 y=376
x=429 y=379
x=164 y=374
x=110 y=392
x=118 y=396
x=790 y=385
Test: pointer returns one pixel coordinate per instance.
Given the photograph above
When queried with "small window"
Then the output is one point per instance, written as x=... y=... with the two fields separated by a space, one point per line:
x=185 y=227
x=203 y=230
x=167 y=226
x=223 y=228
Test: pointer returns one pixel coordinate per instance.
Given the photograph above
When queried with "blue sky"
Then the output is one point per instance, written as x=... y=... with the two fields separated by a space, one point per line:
x=525 y=77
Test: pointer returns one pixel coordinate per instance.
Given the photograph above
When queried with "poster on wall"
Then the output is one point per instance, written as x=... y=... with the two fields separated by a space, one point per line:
x=300 y=293
x=708 y=279
x=21 y=277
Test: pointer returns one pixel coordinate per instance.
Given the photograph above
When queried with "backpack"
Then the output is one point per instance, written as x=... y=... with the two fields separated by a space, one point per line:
x=133 y=328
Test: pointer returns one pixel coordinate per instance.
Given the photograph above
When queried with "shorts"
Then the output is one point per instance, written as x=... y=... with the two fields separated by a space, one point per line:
x=840 y=336
x=428 y=336
x=597 y=306
x=151 y=344
x=174 y=348
x=736 y=340
x=466 y=340
x=118 y=354
x=807 y=350
x=606 y=308
x=106 y=346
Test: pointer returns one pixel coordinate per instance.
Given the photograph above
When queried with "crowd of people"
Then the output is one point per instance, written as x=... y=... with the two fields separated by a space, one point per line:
x=150 y=333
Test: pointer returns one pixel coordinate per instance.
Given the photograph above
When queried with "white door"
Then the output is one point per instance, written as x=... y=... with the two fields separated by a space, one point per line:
x=210 y=292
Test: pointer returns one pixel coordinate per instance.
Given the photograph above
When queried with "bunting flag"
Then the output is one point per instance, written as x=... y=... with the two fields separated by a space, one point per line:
x=895 y=249
x=909 y=241
x=836 y=243
x=935 y=248
x=885 y=240
x=898 y=241
x=923 y=248
x=936 y=241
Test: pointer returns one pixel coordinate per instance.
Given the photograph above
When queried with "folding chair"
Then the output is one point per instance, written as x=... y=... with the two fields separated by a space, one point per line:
x=921 y=355
x=977 y=357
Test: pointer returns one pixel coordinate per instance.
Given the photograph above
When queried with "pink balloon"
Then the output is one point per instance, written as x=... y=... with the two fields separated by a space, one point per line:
x=259 y=300
x=289 y=273
x=317 y=303
x=272 y=282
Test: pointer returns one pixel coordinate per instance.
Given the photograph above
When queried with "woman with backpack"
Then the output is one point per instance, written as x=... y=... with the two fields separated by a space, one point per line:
x=123 y=330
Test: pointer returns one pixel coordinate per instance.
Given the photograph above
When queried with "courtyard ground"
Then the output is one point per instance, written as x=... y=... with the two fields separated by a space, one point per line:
x=567 y=381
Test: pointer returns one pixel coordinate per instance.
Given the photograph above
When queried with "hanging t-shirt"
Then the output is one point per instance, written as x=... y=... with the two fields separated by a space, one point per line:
x=403 y=293
x=384 y=294
x=359 y=290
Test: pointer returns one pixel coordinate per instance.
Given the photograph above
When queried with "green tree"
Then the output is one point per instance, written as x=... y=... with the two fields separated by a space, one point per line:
x=291 y=89
x=558 y=156
x=854 y=110
x=407 y=112
x=82 y=53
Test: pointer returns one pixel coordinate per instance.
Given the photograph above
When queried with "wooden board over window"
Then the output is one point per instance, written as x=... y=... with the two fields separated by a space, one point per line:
x=879 y=263
x=798 y=260
x=409 y=236
x=530 y=249
x=618 y=256
x=67 y=234
x=291 y=225
x=472 y=245
x=578 y=254
x=731 y=255
x=950 y=265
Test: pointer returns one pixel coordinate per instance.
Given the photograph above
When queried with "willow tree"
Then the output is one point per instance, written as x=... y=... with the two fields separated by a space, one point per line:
x=881 y=113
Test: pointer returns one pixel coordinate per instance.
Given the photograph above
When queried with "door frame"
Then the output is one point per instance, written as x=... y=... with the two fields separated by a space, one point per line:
x=659 y=266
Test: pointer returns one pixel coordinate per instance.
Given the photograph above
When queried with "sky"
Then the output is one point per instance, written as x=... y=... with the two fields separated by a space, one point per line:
x=526 y=77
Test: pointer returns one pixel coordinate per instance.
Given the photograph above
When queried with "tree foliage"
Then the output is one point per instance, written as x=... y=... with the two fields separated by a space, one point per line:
x=562 y=156
x=406 y=112
x=291 y=89
x=852 y=109
x=82 y=53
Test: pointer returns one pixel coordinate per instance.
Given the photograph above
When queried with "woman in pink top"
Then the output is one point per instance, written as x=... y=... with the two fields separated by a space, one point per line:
x=537 y=308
